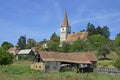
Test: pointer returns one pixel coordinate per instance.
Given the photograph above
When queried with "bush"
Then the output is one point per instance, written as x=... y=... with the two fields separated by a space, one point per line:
x=5 y=57
x=116 y=63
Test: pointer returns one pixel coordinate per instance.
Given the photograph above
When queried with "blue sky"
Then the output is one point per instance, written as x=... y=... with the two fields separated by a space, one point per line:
x=38 y=19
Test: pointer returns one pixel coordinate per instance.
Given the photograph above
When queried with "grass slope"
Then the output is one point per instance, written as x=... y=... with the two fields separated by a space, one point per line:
x=21 y=71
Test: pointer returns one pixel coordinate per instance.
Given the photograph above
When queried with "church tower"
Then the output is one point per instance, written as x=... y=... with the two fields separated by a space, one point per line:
x=65 y=28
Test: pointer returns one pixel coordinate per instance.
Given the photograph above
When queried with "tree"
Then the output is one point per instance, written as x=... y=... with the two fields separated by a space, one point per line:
x=54 y=37
x=91 y=29
x=99 y=30
x=30 y=43
x=106 y=31
x=97 y=41
x=104 y=50
x=22 y=42
x=116 y=63
x=5 y=57
x=65 y=47
x=53 y=46
x=6 y=45
x=117 y=39
x=77 y=45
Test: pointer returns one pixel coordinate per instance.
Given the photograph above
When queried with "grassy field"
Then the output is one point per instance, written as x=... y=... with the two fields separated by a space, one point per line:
x=21 y=71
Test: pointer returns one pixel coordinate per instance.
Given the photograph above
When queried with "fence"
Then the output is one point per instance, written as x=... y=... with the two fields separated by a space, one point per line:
x=112 y=71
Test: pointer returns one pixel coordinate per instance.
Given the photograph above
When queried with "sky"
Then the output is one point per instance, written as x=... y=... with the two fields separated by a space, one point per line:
x=39 y=19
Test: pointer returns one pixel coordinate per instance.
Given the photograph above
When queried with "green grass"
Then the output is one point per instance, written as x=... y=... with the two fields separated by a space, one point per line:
x=21 y=71
x=105 y=63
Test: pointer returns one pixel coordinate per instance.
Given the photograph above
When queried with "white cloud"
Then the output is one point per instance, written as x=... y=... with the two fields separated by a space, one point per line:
x=99 y=17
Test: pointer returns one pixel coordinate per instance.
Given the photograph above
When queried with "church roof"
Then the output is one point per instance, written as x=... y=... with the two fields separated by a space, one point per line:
x=65 y=21
x=75 y=36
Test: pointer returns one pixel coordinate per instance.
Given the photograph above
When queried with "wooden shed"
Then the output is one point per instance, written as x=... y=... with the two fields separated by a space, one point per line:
x=54 y=61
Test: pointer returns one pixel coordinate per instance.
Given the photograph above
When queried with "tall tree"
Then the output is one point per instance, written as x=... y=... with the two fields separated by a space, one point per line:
x=6 y=45
x=22 y=42
x=90 y=29
x=54 y=37
x=30 y=43
x=104 y=50
x=106 y=31
x=118 y=34
x=117 y=39
x=99 y=30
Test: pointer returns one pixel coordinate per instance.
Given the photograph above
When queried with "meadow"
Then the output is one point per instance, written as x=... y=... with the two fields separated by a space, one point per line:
x=20 y=70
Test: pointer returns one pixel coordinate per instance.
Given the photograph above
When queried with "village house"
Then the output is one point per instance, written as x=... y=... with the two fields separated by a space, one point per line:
x=55 y=61
x=14 y=50
x=26 y=53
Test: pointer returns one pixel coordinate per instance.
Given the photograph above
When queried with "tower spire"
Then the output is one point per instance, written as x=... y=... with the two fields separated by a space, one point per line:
x=65 y=21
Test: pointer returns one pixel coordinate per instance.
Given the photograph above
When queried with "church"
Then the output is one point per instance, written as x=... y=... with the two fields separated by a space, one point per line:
x=65 y=32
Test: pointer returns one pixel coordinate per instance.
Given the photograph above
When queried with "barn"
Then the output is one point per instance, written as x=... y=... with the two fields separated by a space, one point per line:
x=55 y=61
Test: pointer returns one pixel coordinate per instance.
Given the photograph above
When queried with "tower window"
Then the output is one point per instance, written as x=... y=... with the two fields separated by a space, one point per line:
x=62 y=29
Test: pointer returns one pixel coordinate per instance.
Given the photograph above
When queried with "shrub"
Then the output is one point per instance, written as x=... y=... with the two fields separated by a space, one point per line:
x=5 y=57
x=116 y=63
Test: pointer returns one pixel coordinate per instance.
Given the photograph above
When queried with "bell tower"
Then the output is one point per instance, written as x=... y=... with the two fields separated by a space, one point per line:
x=65 y=28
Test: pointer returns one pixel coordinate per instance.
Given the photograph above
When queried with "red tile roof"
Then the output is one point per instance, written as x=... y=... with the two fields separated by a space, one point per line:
x=68 y=57
x=13 y=49
x=75 y=36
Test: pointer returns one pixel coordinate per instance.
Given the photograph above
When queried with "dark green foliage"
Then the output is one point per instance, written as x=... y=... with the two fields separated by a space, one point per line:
x=117 y=50
x=97 y=41
x=98 y=30
x=54 y=37
x=117 y=39
x=30 y=43
x=5 y=57
x=65 y=47
x=117 y=62
x=6 y=45
x=22 y=42
x=53 y=46
x=77 y=45
x=104 y=50
x=91 y=29
x=106 y=31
